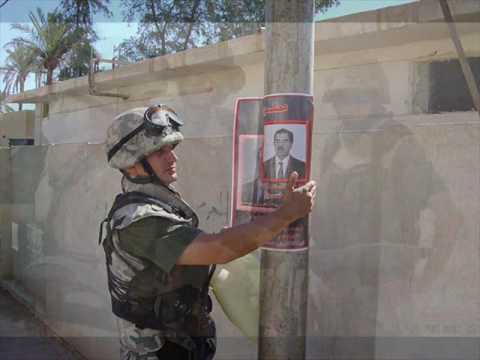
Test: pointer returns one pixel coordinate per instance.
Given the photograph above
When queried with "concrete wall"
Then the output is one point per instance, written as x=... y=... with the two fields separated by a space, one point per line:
x=17 y=125
x=5 y=214
x=59 y=262
x=395 y=242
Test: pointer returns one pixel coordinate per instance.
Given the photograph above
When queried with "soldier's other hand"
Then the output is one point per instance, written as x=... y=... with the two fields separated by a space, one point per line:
x=298 y=201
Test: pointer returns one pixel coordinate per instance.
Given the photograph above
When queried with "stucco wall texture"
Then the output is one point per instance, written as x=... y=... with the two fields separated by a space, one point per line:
x=394 y=252
x=19 y=124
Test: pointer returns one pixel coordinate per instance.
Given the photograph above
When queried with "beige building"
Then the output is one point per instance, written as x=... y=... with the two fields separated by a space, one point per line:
x=394 y=265
x=17 y=128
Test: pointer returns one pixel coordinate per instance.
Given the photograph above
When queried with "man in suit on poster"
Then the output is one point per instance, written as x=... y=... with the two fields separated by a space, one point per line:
x=283 y=163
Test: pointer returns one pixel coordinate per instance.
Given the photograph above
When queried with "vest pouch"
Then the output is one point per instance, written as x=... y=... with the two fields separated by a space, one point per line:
x=208 y=305
x=129 y=312
x=175 y=307
x=205 y=348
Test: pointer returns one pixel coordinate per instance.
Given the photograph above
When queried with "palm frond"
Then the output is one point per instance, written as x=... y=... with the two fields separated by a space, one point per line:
x=50 y=38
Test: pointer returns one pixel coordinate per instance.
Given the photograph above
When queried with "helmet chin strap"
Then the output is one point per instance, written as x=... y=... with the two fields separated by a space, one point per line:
x=151 y=178
x=137 y=179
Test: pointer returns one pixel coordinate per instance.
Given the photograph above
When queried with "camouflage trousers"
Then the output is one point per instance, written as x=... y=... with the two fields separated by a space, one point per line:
x=138 y=344
x=144 y=344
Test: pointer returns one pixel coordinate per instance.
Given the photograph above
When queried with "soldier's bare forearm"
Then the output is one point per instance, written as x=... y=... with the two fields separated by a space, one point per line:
x=238 y=241
x=235 y=242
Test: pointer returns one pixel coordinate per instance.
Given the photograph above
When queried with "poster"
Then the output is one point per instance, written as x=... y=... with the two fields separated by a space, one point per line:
x=272 y=138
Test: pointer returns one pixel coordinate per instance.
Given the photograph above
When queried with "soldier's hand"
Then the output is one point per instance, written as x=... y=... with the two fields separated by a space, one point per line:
x=298 y=201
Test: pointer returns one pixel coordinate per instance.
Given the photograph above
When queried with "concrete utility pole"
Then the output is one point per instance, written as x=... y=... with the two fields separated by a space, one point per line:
x=289 y=51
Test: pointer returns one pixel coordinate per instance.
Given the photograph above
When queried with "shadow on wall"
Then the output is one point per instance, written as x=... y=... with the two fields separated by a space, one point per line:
x=58 y=260
x=371 y=254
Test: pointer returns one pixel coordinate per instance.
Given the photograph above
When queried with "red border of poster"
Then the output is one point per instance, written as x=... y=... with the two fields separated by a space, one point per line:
x=275 y=109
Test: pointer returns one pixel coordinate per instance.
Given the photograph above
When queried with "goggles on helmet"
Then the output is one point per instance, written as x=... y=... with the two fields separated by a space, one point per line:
x=156 y=119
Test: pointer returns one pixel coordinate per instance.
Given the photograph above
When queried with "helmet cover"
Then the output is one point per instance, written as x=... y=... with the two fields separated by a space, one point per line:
x=139 y=146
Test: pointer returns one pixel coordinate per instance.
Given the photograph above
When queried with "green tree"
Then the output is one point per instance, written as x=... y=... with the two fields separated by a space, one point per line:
x=165 y=26
x=50 y=38
x=4 y=108
x=77 y=61
x=20 y=62
x=80 y=13
x=168 y=26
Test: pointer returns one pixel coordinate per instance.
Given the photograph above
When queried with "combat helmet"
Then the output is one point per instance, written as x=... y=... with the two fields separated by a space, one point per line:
x=139 y=132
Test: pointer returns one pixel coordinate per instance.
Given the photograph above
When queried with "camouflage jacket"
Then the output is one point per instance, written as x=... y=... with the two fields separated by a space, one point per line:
x=152 y=305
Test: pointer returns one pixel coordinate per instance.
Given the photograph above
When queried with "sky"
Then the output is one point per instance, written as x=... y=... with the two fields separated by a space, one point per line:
x=113 y=30
x=348 y=7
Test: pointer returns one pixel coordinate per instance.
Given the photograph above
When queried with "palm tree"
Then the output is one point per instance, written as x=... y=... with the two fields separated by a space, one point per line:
x=20 y=63
x=3 y=106
x=50 y=39
x=81 y=11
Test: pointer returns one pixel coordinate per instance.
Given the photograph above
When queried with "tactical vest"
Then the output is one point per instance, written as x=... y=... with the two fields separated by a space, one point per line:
x=176 y=303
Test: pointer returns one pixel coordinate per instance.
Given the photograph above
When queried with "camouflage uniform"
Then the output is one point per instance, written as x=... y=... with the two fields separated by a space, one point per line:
x=138 y=344
x=156 y=304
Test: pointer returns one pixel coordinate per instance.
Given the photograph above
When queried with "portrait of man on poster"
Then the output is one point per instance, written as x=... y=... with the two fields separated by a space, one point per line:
x=285 y=139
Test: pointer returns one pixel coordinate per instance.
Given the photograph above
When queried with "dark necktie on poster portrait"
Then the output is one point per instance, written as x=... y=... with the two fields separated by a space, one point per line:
x=270 y=171
x=280 y=174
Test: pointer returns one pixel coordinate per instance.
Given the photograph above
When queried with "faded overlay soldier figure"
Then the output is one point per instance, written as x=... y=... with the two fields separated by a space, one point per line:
x=159 y=263
x=374 y=250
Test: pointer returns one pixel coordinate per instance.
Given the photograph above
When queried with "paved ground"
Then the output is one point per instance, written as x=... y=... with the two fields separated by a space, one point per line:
x=23 y=337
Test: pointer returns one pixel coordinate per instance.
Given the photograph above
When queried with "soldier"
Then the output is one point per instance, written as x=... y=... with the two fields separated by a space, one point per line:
x=159 y=263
